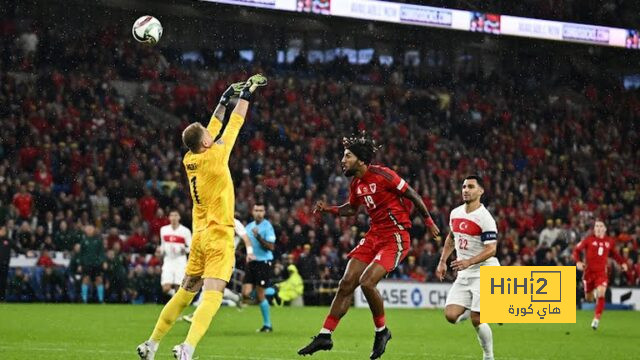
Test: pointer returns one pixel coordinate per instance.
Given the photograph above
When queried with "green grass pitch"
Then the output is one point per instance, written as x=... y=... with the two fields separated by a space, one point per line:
x=40 y=331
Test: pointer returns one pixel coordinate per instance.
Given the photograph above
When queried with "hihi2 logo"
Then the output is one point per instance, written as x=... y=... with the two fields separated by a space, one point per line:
x=528 y=294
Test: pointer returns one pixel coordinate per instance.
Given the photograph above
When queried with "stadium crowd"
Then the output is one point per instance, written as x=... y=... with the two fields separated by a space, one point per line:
x=84 y=173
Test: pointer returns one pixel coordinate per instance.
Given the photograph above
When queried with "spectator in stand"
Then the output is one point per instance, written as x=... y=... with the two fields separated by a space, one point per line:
x=23 y=202
x=549 y=234
x=52 y=161
x=148 y=205
x=20 y=288
x=137 y=241
x=115 y=275
x=53 y=286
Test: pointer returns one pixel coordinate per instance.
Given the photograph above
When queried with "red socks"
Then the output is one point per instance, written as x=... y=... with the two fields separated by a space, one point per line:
x=379 y=321
x=331 y=323
x=599 y=307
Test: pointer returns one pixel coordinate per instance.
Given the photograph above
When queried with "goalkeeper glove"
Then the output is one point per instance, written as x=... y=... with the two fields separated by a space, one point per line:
x=233 y=90
x=251 y=85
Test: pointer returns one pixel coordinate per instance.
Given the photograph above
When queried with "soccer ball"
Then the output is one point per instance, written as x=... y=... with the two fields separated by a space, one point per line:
x=147 y=29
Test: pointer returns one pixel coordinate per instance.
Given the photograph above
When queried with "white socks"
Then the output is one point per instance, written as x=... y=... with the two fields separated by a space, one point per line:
x=190 y=349
x=381 y=328
x=153 y=345
x=325 y=331
x=485 y=338
x=230 y=295
x=465 y=315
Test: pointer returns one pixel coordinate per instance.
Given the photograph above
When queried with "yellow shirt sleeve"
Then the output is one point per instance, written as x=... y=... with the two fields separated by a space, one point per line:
x=214 y=126
x=230 y=134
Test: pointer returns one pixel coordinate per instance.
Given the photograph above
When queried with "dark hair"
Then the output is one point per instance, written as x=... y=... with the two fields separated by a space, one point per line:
x=192 y=136
x=363 y=147
x=477 y=178
x=259 y=203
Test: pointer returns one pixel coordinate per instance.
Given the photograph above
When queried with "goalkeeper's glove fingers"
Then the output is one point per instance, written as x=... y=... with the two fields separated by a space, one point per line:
x=233 y=90
x=256 y=81
x=251 y=85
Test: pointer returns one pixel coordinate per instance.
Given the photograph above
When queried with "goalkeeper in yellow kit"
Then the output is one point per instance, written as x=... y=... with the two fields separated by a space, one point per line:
x=212 y=255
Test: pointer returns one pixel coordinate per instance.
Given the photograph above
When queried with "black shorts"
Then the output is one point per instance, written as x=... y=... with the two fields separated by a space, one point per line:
x=92 y=271
x=258 y=273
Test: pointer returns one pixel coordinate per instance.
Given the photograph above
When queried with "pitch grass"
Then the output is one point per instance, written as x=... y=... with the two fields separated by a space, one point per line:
x=41 y=331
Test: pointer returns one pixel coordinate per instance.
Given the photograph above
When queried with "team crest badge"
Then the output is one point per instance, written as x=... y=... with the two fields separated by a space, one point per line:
x=372 y=187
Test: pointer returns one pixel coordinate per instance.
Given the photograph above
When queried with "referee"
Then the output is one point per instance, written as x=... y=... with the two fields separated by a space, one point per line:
x=259 y=271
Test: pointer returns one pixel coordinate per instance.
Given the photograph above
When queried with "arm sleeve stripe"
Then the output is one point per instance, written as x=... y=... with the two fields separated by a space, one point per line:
x=382 y=173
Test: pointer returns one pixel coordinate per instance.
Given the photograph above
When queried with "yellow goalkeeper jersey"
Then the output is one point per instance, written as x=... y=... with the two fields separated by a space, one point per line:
x=209 y=177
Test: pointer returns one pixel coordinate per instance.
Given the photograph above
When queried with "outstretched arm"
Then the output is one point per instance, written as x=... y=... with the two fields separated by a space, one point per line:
x=239 y=113
x=232 y=130
x=412 y=195
x=218 y=115
x=617 y=257
x=342 y=210
x=217 y=119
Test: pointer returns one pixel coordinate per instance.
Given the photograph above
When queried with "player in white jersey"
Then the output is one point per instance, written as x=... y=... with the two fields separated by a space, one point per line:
x=175 y=240
x=241 y=234
x=473 y=234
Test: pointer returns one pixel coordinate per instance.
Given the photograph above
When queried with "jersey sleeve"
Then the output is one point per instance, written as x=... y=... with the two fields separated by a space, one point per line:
x=489 y=230
x=271 y=234
x=614 y=252
x=187 y=240
x=162 y=243
x=214 y=126
x=578 y=249
x=394 y=182
x=239 y=228
x=230 y=135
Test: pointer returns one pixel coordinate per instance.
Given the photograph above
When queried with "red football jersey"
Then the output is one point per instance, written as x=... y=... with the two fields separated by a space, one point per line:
x=381 y=190
x=597 y=253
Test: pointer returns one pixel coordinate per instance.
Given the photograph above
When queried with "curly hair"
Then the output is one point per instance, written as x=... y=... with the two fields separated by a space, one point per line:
x=362 y=146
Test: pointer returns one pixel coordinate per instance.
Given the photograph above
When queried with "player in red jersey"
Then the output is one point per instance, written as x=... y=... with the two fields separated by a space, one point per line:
x=385 y=245
x=597 y=247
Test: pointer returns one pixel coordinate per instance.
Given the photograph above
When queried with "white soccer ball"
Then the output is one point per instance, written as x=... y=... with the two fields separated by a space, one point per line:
x=147 y=29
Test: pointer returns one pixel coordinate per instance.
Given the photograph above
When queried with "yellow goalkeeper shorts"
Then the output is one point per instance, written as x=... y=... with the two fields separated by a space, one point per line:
x=212 y=253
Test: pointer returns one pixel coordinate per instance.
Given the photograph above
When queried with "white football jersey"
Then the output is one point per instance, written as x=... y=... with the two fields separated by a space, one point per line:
x=175 y=243
x=471 y=232
x=240 y=231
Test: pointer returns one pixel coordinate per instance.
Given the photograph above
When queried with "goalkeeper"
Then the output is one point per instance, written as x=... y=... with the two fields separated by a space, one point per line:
x=212 y=254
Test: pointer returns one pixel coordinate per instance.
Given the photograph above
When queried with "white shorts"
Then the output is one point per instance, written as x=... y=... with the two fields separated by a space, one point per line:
x=465 y=292
x=172 y=273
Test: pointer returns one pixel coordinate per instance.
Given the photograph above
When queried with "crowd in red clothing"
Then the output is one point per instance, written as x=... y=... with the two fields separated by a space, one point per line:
x=75 y=153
